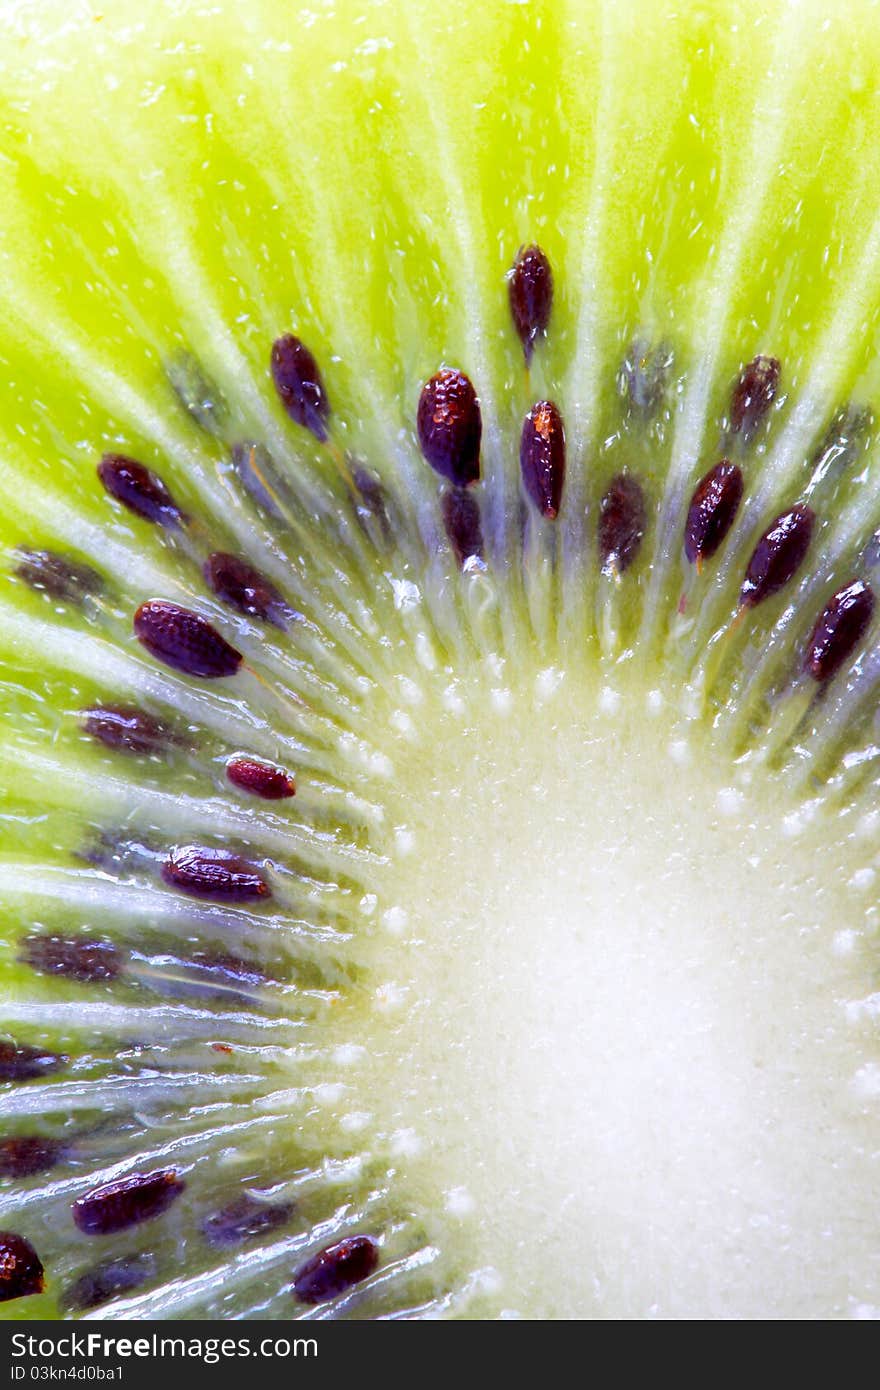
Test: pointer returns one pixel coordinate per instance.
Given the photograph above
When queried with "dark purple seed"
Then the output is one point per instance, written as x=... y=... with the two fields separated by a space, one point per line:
x=299 y=385
x=21 y=1272
x=335 y=1269
x=139 y=489
x=461 y=517
x=29 y=1154
x=115 y=1206
x=778 y=555
x=107 y=1280
x=450 y=427
x=214 y=874
x=64 y=579
x=244 y=588
x=184 y=640
x=622 y=521
x=530 y=287
x=542 y=457
x=127 y=729
x=243 y=1220
x=72 y=957
x=753 y=394
x=22 y=1063
x=260 y=779
x=839 y=629
x=713 y=508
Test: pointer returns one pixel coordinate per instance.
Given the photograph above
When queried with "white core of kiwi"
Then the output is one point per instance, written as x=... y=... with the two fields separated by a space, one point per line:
x=614 y=1035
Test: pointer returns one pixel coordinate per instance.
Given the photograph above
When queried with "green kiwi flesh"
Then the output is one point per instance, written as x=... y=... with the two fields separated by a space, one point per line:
x=439 y=864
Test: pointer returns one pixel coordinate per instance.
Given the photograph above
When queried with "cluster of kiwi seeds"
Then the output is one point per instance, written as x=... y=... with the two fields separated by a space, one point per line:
x=223 y=855
x=246 y=895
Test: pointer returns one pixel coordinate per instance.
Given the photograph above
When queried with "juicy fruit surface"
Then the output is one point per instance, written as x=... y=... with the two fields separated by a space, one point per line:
x=552 y=991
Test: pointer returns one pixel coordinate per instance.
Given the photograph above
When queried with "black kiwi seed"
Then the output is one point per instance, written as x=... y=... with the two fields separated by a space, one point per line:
x=244 y=588
x=712 y=511
x=72 y=957
x=184 y=640
x=622 y=522
x=260 y=779
x=216 y=874
x=21 y=1272
x=243 y=1219
x=299 y=385
x=542 y=457
x=115 y=1206
x=778 y=555
x=139 y=489
x=23 y=1063
x=64 y=579
x=25 y=1155
x=127 y=729
x=461 y=518
x=530 y=288
x=450 y=426
x=108 y=1279
x=336 y=1269
x=838 y=630
x=754 y=393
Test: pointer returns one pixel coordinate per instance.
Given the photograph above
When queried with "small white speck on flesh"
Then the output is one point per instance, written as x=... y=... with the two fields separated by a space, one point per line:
x=380 y=765
x=844 y=943
x=859 y=1011
x=729 y=801
x=406 y=594
x=459 y=1202
x=405 y=1143
x=401 y=720
x=868 y=825
x=863 y=879
x=609 y=700
x=410 y=692
x=389 y=997
x=452 y=700
x=680 y=751
x=328 y=1092
x=866 y=1082
x=356 y=1121
x=395 y=920
x=547 y=682
x=425 y=654
x=404 y=840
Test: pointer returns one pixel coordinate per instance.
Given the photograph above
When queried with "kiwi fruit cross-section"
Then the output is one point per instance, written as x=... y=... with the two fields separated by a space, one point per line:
x=439 y=746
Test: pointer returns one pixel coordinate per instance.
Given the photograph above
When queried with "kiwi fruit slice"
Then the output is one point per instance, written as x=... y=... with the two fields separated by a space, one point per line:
x=439 y=839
